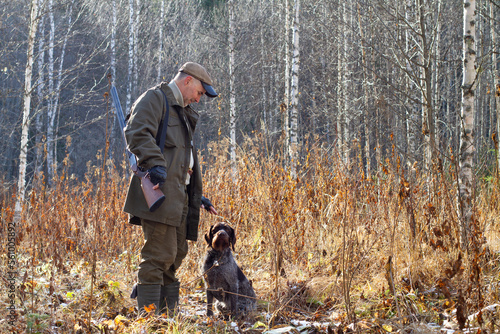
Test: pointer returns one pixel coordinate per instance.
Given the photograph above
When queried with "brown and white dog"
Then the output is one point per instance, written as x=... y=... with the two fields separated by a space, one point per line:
x=224 y=280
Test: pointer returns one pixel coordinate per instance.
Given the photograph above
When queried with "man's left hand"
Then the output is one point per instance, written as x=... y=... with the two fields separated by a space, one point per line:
x=207 y=205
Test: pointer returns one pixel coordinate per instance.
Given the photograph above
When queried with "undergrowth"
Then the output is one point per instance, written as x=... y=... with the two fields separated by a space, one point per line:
x=330 y=245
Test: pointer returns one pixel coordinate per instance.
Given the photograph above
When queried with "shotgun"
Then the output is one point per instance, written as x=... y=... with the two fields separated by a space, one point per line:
x=154 y=197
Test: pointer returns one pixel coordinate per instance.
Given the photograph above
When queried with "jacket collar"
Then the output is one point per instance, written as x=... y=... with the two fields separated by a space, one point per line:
x=174 y=98
x=179 y=99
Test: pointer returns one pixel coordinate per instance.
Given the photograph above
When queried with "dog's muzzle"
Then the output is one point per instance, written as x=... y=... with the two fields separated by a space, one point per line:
x=220 y=240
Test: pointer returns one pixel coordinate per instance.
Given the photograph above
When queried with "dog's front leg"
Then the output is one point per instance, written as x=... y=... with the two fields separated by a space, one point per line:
x=210 y=300
x=234 y=303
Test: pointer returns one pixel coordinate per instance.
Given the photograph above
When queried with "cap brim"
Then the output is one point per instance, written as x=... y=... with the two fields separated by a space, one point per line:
x=209 y=90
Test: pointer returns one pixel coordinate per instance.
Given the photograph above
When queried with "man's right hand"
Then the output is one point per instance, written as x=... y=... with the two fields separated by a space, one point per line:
x=157 y=175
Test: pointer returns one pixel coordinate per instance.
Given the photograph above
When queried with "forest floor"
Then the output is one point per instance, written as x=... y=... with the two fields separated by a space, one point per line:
x=55 y=299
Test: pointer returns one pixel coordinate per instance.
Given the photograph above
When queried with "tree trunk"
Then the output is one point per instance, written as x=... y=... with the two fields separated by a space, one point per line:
x=57 y=92
x=51 y=117
x=39 y=119
x=113 y=42
x=21 y=183
x=428 y=112
x=232 y=93
x=496 y=80
x=342 y=131
x=437 y=90
x=160 y=38
x=411 y=111
x=130 y=55
x=286 y=103
x=366 y=95
x=265 y=123
x=467 y=150
x=294 y=94
x=137 y=24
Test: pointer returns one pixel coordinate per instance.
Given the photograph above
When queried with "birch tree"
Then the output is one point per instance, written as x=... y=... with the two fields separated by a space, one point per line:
x=466 y=162
x=294 y=93
x=341 y=85
x=232 y=93
x=366 y=95
x=160 y=39
x=263 y=34
x=113 y=42
x=135 y=29
x=39 y=120
x=21 y=183
x=286 y=103
x=131 y=49
x=496 y=79
x=428 y=125
x=51 y=159
x=55 y=80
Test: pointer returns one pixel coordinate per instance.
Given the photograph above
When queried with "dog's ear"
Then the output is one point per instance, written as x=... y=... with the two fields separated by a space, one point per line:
x=232 y=238
x=209 y=236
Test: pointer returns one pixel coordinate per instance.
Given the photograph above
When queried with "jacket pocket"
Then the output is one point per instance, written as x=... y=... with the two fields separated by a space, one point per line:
x=174 y=132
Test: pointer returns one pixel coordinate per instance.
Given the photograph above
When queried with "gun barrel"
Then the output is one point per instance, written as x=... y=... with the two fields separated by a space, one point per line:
x=118 y=107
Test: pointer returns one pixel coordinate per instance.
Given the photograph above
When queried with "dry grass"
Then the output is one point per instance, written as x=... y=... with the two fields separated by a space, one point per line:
x=330 y=245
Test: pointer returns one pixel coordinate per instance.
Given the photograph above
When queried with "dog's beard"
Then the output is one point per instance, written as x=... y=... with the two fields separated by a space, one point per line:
x=220 y=241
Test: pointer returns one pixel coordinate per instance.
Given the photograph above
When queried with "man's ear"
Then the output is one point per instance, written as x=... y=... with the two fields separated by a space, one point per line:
x=187 y=80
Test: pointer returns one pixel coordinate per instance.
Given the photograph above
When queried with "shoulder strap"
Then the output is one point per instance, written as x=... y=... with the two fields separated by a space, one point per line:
x=162 y=134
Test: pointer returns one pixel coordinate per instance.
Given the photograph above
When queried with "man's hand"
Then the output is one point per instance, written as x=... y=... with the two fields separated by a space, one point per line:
x=207 y=205
x=157 y=175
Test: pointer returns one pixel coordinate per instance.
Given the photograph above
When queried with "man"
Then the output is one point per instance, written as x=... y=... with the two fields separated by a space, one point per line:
x=176 y=172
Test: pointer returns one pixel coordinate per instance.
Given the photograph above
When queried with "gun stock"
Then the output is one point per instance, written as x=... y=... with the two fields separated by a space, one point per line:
x=154 y=197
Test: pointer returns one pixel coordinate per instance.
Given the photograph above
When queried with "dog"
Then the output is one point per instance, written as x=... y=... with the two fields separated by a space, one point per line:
x=224 y=280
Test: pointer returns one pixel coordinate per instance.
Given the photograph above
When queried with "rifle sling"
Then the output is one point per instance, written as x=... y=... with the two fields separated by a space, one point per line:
x=162 y=134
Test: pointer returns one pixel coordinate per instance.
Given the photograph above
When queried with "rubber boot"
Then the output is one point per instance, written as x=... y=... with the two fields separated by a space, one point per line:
x=169 y=298
x=147 y=295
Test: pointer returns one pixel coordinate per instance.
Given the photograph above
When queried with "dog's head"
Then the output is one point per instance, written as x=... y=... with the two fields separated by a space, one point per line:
x=220 y=236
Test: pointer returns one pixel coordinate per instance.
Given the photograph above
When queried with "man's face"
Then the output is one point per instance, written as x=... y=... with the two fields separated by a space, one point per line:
x=193 y=90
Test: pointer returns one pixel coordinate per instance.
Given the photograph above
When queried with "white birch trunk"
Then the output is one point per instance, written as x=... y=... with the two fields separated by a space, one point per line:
x=294 y=94
x=57 y=92
x=427 y=109
x=23 y=153
x=136 y=45
x=340 y=87
x=51 y=117
x=265 y=116
x=130 y=55
x=40 y=88
x=366 y=94
x=466 y=162
x=411 y=115
x=346 y=131
x=286 y=103
x=160 y=38
x=496 y=79
x=436 y=86
x=112 y=74
x=113 y=43
x=232 y=94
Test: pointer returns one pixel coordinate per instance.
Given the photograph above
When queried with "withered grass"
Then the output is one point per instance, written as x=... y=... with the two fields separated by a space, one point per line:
x=332 y=245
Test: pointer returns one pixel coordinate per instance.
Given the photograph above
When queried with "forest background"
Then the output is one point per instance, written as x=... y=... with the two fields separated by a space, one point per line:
x=346 y=143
